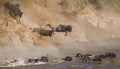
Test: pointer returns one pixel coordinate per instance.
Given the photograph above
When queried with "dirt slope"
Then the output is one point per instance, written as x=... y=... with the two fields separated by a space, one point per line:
x=93 y=30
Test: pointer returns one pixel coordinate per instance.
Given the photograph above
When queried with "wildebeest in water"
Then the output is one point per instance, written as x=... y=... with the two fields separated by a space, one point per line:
x=14 y=10
x=67 y=58
x=36 y=60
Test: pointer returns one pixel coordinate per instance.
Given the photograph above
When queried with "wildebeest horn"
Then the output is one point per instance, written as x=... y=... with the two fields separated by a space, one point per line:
x=48 y=25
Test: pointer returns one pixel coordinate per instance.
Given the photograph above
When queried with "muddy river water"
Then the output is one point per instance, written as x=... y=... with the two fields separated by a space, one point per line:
x=107 y=64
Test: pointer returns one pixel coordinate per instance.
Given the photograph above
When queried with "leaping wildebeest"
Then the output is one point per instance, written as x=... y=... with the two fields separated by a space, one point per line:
x=43 y=32
x=14 y=10
x=62 y=28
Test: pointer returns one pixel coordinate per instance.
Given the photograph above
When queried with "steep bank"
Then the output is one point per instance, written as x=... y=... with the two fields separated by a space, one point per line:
x=94 y=26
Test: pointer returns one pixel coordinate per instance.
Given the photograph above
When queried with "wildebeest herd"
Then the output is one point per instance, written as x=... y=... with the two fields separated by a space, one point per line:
x=89 y=58
x=60 y=28
x=79 y=57
x=16 y=13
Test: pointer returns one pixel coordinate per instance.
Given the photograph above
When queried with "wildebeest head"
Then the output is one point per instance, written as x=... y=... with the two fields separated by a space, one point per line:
x=18 y=11
x=69 y=28
x=18 y=5
x=7 y=5
x=34 y=29
x=48 y=25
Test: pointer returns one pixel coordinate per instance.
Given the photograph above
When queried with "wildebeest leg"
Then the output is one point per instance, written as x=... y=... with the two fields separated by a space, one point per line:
x=50 y=35
x=5 y=11
x=18 y=19
x=7 y=24
x=53 y=33
x=11 y=14
x=66 y=33
x=40 y=36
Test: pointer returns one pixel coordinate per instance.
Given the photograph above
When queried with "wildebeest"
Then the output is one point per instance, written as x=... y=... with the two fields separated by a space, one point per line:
x=85 y=58
x=67 y=58
x=103 y=56
x=43 y=32
x=88 y=57
x=96 y=58
x=14 y=10
x=14 y=61
x=36 y=60
x=62 y=28
x=44 y=59
x=107 y=55
x=110 y=55
x=33 y=60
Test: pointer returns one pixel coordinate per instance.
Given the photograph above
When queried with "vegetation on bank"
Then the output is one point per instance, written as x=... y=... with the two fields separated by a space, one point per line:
x=22 y=1
x=68 y=4
x=73 y=7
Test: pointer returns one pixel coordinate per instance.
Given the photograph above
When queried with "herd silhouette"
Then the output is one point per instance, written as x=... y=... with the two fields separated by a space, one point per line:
x=16 y=13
